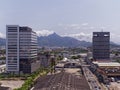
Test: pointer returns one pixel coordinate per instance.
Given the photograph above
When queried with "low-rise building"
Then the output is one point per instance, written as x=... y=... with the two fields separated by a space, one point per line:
x=44 y=59
x=108 y=68
x=105 y=70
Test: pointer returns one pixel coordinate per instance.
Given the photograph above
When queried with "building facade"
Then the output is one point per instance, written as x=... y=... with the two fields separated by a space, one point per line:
x=44 y=59
x=21 y=49
x=101 y=45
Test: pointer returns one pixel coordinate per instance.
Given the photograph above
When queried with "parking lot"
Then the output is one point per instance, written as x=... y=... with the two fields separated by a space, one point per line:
x=115 y=86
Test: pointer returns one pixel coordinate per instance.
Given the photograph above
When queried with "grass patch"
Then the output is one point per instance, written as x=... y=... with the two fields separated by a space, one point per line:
x=28 y=78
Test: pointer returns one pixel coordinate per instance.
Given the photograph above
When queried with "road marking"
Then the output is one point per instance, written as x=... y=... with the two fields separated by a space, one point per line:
x=32 y=88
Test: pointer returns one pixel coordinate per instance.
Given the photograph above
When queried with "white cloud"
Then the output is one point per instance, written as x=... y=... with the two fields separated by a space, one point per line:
x=60 y=24
x=2 y=35
x=115 y=38
x=81 y=36
x=103 y=27
x=84 y=24
x=91 y=27
x=72 y=26
x=75 y=26
x=44 y=32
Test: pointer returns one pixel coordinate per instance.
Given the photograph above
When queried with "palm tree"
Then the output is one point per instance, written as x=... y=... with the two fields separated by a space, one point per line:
x=52 y=64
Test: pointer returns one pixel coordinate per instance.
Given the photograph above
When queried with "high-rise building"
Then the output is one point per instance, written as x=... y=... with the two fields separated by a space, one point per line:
x=101 y=45
x=21 y=49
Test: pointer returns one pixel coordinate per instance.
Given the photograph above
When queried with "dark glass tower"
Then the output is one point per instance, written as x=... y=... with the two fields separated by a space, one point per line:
x=101 y=45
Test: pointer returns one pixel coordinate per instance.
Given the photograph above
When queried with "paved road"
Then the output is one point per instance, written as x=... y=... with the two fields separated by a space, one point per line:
x=91 y=78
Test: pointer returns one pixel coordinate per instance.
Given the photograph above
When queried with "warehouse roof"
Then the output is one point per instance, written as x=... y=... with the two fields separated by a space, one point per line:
x=109 y=64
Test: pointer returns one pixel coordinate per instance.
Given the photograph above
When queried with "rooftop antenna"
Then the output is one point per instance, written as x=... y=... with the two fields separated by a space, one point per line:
x=101 y=30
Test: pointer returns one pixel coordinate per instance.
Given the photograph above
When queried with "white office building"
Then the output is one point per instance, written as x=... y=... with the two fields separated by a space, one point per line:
x=21 y=49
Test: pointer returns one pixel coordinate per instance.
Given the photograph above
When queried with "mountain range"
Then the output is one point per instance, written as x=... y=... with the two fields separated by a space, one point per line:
x=54 y=40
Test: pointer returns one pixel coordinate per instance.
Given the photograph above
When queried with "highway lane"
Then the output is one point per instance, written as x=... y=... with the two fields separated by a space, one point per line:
x=91 y=78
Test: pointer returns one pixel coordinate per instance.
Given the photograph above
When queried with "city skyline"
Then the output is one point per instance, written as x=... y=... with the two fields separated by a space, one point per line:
x=75 y=18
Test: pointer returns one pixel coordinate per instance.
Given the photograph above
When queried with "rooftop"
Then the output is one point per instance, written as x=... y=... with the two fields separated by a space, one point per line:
x=109 y=64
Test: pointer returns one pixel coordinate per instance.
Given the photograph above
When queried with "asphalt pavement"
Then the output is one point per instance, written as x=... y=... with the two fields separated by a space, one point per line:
x=63 y=79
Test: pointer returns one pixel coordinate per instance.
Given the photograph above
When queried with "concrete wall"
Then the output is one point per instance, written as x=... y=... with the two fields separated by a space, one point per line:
x=35 y=66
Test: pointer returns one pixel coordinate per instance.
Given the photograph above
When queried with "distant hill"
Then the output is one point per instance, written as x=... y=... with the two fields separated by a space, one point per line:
x=112 y=45
x=56 y=40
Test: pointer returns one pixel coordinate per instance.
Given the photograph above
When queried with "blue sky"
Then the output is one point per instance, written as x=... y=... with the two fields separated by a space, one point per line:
x=65 y=17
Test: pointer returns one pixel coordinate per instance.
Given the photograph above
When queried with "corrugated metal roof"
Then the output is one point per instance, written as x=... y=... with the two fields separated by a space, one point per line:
x=114 y=64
